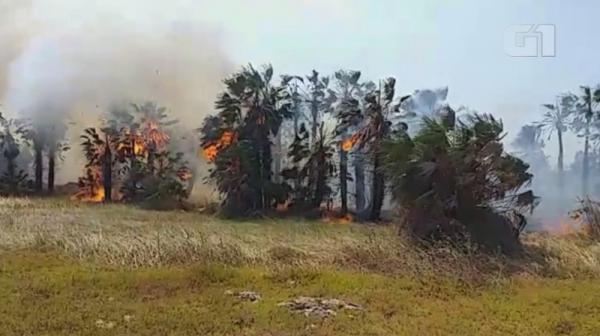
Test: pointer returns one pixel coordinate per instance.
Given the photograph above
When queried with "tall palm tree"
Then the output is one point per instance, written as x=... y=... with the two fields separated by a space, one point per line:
x=347 y=94
x=588 y=100
x=556 y=119
x=381 y=112
x=249 y=115
x=13 y=180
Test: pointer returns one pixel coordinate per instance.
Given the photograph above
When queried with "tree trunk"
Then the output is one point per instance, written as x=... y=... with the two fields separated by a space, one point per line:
x=39 y=168
x=586 y=168
x=51 y=169
x=560 y=162
x=343 y=180
x=11 y=171
x=265 y=174
x=586 y=159
x=320 y=183
x=314 y=169
x=277 y=157
x=107 y=173
x=378 y=189
x=359 y=181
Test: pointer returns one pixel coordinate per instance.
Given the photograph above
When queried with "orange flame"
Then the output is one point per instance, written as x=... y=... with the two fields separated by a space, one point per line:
x=93 y=193
x=348 y=144
x=137 y=143
x=333 y=218
x=568 y=226
x=139 y=148
x=282 y=207
x=153 y=133
x=97 y=196
x=212 y=150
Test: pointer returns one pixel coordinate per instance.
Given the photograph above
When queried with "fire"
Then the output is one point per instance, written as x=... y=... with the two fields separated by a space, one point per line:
x=212 y=150
x=335 y=218
x=568 y=226
x=282 y=207
x=348 y=144
x=153 y=133
x=132 y=143
x=94 y=192
x=139 y=148
x=227 y=138
x=184 y=174
x=97 y=196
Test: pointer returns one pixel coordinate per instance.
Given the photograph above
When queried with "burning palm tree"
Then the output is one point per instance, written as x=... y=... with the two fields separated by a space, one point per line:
x=238 y=140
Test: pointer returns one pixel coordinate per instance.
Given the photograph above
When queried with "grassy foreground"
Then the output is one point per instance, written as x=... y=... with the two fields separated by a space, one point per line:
x=44 y=294
x=70 y=269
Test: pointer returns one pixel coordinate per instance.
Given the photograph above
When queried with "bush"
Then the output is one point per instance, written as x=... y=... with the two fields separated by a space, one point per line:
x=453 y=179
x=589 y=214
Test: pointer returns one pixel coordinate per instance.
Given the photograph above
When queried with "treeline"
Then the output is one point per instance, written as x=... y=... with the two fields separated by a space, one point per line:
x=571 y=112
x=309 y=145
x=22 y=142
x=448 y=176
x=296 y=140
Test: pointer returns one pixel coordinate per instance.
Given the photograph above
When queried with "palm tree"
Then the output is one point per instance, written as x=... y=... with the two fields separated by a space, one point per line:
x=381 y=110
x=582 y=122
x=238 y=139
x=556 y=119
x=13 y=180
x=348 y=94
x=99 y=155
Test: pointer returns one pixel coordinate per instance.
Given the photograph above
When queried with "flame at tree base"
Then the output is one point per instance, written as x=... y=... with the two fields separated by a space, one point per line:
x=334 y=218
x=88 y=196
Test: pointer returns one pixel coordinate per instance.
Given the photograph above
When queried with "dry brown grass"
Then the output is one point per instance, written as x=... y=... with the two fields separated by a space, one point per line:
x=124 y=235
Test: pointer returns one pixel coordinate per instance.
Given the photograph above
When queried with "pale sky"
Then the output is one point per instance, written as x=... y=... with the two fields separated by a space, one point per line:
x=424 y=44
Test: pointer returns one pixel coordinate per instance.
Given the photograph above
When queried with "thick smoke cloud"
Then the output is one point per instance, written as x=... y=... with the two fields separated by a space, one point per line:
x=67 y=66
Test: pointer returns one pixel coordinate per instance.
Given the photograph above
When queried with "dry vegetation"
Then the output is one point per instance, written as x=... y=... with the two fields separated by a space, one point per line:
x=132 y=237
x=77 y=269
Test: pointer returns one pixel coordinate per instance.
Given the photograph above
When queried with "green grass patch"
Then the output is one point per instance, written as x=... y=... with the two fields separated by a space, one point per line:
x=48 y=294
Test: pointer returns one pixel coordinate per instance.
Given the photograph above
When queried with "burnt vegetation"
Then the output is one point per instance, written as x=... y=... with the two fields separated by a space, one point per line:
x=337 y=147
x=129 y=159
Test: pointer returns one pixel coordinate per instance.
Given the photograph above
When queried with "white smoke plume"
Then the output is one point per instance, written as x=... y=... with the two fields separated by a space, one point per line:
x=65 y=62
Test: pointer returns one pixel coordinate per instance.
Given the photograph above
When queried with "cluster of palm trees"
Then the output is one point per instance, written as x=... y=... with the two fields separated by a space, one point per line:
x=19 y=140
x=273 y=143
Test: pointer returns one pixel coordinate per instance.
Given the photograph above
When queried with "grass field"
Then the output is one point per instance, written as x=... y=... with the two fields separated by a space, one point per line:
x=75 y=269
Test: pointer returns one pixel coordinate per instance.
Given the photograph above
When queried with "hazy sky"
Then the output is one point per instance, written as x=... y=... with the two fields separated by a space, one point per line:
x=424 y=44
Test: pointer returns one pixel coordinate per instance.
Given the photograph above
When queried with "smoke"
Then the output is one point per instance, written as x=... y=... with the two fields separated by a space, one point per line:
x=67 y=67
x=557 y=199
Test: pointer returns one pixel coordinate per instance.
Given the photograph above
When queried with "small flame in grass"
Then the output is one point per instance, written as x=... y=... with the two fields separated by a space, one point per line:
x=212 y=150
x=94 y=191
x=98 y=196
x=337 y=219
x=282 y=207
x=568 y=226
x=90 y=196
x=348 y=144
